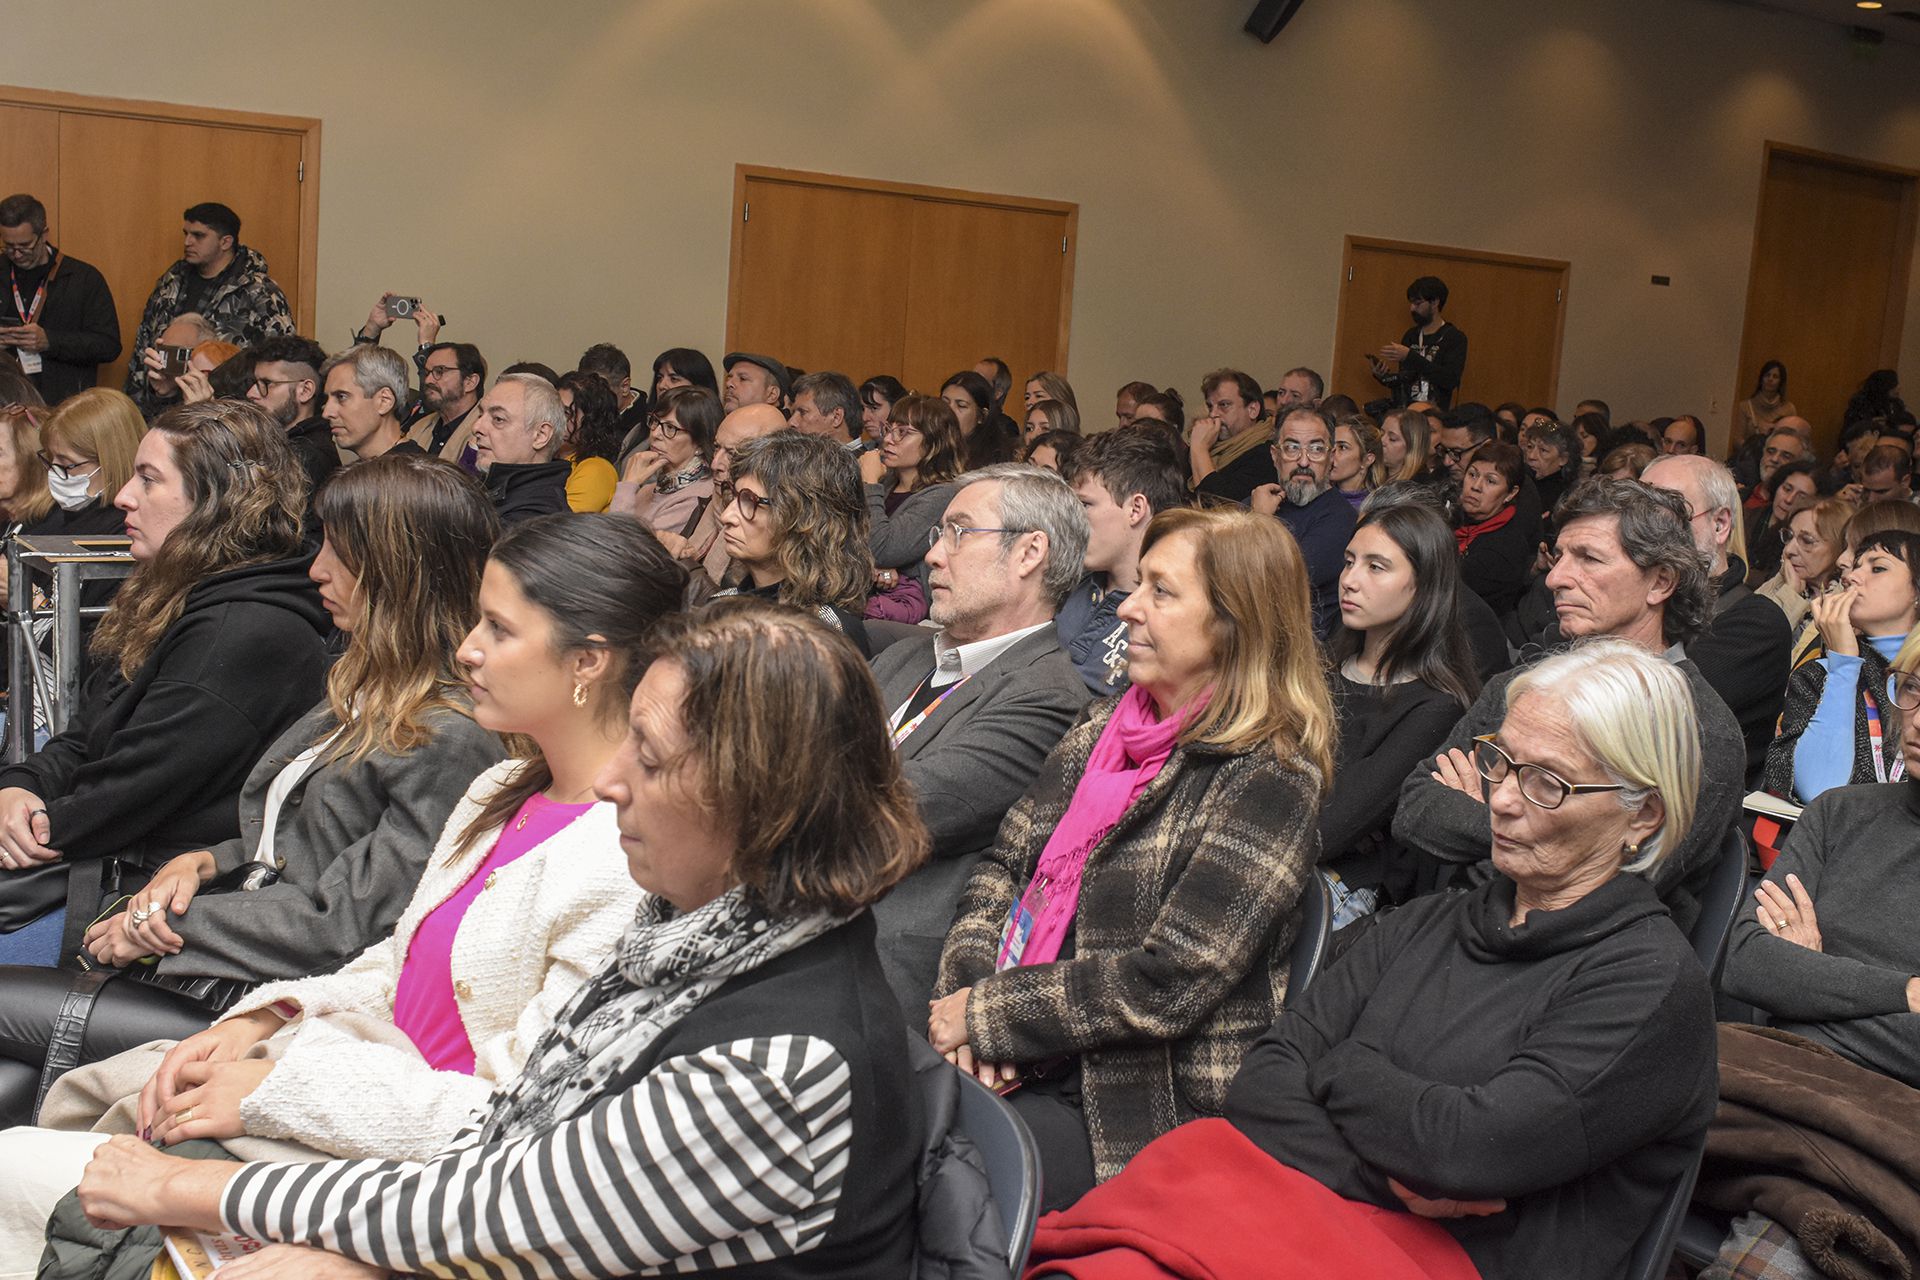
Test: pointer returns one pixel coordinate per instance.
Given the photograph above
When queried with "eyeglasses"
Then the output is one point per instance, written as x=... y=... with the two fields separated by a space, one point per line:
x=1906 y=694
x=750 y=504
x=1294 y=448
x=63 y=471
x=265 y=386
x=1807 y=541
x=1450 y=455
x=435 y=370
x=1539 y=785
x=951 y=533
x=898 y=431
x=665 y=426
x=27 y=250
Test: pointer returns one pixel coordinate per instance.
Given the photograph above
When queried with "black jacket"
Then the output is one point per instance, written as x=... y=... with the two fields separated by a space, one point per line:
x=1746 y=654
x=1498 y=564
x=312 y=442
x=1384 y=733
x=1566 y=1066
x=83 y=330
x=523 y=490
x=152 y=767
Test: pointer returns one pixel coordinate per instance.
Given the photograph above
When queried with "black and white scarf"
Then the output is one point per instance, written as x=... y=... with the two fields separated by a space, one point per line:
x=665 y=965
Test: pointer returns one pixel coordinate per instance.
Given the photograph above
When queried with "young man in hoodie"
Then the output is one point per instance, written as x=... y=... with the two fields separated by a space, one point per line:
x=1123 y=479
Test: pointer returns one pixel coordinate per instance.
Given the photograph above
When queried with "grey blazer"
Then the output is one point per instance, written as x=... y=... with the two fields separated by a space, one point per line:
x=351 y=843
x=968 y=762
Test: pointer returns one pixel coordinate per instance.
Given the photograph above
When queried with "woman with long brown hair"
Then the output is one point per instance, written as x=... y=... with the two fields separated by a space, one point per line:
x=910 y=481
x=211 y=649
x=337 y=818
x=1125 y=941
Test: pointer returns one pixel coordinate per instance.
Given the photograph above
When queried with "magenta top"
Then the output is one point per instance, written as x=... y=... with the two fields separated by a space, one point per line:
x=425 y=1005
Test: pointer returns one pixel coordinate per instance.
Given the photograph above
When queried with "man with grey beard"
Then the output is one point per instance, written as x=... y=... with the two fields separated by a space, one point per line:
x=1317 y=514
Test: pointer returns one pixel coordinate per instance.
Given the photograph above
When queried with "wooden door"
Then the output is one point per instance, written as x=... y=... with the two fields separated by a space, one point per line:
x=1511 y=308
x=918 y=282
x=115 y=176
x=1832 y=248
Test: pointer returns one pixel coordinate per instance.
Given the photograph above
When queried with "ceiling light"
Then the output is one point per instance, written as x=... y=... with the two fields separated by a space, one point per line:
x=1867 y=4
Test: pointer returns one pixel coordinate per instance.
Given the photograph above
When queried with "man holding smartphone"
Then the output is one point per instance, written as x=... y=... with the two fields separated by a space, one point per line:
x=56 y=312
x=1429 y=361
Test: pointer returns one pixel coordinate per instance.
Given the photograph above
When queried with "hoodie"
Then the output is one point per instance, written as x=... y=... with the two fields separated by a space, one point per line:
x=152 y=767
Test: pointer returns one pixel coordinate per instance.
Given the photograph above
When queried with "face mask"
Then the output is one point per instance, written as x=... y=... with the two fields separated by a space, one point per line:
x=70 y=492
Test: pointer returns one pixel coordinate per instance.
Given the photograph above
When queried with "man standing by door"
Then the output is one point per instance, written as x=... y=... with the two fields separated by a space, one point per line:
x=57 y=317
x=1432 y=356
x=217 y=277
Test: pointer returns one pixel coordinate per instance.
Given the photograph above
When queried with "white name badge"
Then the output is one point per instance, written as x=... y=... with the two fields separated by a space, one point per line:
x=29 y=360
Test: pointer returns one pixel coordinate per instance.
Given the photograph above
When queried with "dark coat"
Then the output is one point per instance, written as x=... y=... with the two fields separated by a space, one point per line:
x=245 y=306
x=1187 y=909
x=521 y=491
x=83 y=330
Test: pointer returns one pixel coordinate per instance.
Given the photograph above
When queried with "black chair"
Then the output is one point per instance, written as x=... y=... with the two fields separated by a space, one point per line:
x=1012 y=1160
x=1315 y=937
x=1720 y=904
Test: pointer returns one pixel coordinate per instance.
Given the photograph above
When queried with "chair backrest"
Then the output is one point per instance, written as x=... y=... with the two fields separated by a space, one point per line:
x=1012 y=1160
x=1315 y=936
x=883 y=634
x=1654 y=1249
x=1721 y=901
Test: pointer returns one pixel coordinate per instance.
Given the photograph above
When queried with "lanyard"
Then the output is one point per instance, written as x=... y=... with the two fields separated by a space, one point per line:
x=31 y=315
x=1881 y=771
x=900 y=731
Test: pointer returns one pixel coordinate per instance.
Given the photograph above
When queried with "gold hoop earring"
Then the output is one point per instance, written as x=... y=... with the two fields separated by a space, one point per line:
x=579 y=694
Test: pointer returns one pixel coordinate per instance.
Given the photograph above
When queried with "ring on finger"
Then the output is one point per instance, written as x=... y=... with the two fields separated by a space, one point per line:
x=181 y=1117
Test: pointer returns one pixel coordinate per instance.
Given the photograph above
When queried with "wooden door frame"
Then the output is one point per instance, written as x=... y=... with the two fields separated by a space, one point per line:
x=306 y=128
x=736 y=251
x=1893 y=326
x=1563 y=267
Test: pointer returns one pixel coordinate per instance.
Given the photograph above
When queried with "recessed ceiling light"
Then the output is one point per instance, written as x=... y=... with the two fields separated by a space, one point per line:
x=1867 y=4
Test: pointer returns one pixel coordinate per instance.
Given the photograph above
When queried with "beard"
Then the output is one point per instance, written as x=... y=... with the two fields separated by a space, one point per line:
x=1302 y=488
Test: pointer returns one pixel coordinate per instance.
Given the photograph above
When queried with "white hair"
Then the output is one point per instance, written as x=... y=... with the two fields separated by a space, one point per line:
x=1036 y=500
x=1633 y=712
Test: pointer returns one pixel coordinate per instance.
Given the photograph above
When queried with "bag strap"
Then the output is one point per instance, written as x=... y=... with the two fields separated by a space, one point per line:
x=1740 y=591
x=70 y=1029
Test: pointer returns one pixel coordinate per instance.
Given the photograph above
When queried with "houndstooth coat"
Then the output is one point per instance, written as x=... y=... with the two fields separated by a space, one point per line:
x=1187 y=910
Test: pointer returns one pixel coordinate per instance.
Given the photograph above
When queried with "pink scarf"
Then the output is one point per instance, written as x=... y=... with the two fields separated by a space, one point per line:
x=1128 y=756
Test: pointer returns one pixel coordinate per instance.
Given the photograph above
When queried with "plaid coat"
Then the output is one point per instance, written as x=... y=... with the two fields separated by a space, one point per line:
x=247 y=307
x=1187 y=909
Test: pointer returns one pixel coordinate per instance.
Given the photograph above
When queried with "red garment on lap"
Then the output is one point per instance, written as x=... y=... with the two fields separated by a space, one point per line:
x=1204 y=1203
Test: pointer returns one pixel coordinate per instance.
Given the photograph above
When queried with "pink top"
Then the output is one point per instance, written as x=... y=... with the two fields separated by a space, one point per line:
x=425 y=1004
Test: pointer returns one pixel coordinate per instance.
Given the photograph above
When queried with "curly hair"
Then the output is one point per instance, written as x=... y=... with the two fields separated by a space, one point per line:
x=819 y=512
x=594 y=431
x=249 y=495
x=1656 y=532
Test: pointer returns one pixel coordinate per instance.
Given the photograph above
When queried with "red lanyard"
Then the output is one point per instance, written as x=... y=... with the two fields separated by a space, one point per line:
x=1881 y=771
x=31 y=315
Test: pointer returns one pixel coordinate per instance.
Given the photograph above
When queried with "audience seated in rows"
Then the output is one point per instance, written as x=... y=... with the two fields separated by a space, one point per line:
x=336 y=817
x=1401 y=1111
x=1126 y=937
x=743 y=1000
x=667 y=483
x=976 y=707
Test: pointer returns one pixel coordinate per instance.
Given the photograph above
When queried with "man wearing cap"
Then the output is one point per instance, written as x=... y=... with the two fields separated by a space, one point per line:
x=754 y=379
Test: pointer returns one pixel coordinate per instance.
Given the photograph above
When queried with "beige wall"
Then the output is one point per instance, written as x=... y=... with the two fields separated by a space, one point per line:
x=552 y=175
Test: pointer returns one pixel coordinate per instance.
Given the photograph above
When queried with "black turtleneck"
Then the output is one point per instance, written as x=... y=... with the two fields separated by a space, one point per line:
x=1565 y=1065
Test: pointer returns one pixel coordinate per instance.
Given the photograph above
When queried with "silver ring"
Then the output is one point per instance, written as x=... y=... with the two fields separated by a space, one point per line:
x=138 y=914
x=1782 y=922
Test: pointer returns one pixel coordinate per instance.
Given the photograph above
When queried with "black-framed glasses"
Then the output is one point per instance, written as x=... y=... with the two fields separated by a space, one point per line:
x=951 y=533
x=749 y=504
x=1539 y=785
x=26 y=250
x=1906 y=692
x=667 y=427
x=434 y=370
x=1450 y=455
x=61 y=471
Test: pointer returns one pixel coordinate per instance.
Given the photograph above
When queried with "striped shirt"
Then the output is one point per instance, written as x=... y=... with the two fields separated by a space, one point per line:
x=732 y=1155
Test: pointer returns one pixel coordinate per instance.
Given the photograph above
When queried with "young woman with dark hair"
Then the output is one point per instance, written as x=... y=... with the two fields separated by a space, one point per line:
x=210 y=650
x=1402 y=675
x=522 y=899
x=909 y=483
x=878 y=395
x=337 y=818
x=971 y=400
x=591 y=440
x=797 y=525
x=1766 y=406
x=681 y=367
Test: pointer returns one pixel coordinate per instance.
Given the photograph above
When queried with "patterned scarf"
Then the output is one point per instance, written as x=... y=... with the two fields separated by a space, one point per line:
x=696 y=470
x=665 y=965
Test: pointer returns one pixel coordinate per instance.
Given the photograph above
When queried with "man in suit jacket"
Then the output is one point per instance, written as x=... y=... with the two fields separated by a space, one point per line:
x=975 y=708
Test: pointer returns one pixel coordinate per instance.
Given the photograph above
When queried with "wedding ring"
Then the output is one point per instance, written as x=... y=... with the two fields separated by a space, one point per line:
x=1782 y=922
x=138 y=914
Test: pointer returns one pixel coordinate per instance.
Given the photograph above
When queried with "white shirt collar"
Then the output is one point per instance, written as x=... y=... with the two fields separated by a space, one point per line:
x=951 y=662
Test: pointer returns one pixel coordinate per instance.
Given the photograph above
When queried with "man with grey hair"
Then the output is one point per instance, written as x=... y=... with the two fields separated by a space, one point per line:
x=975 y=709
x=1627 y=567
x=363 y=389
x=1317 y=514
x=1746 y=651
x=521 y=422
x=827 y=405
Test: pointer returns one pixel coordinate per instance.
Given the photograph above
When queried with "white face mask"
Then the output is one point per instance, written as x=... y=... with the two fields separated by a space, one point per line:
x=70 y=492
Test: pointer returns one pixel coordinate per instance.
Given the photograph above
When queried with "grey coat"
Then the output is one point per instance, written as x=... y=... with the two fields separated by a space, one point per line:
x=968 y=762
x=351 y=843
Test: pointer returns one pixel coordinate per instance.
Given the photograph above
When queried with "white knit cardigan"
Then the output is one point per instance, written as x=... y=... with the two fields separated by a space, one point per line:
x=547 y=922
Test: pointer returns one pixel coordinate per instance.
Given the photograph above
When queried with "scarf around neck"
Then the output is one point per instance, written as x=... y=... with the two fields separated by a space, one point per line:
x=1132 y=749
x=665 y=965
x=1466 y=533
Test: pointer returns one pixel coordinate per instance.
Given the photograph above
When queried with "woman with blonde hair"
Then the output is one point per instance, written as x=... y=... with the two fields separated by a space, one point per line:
x=1125 y=941
x=1406 y=440
x=1355 y=469
x=1044 y=416
x=211 y=649
x=1047 y=385
x=87 y=446
x=24 y=498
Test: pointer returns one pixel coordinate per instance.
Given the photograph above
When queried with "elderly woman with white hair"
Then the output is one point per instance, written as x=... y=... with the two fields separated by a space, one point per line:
x=1500 y=1083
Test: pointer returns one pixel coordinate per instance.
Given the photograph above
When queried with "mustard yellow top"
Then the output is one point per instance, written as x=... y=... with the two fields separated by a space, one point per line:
x=590 y=484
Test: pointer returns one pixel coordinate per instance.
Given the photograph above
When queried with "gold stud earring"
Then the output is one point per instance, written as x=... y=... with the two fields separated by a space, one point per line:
x=579 y=694
x=1629 y=850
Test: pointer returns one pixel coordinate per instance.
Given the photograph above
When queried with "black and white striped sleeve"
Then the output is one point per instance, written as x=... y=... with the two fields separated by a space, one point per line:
x=732 y=1155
